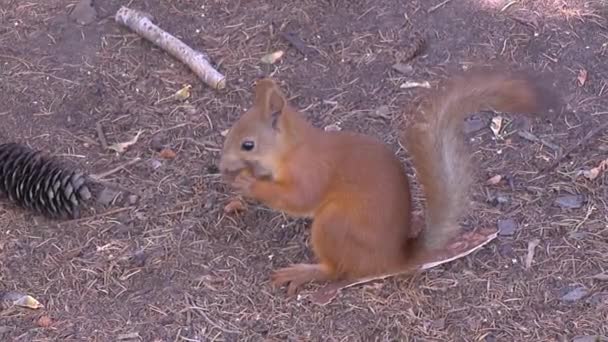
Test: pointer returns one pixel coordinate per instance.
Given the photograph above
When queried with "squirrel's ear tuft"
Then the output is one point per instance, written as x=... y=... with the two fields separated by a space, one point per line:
x=268 y=97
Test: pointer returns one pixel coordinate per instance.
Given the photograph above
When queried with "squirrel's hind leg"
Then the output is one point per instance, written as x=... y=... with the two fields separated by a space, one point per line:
x=298 y=275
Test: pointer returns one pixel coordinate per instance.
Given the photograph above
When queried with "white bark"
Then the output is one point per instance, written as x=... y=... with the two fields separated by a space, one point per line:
x=196 y=60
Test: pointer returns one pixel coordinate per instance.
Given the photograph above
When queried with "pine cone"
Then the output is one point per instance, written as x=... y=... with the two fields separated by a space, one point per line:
x=41 y=184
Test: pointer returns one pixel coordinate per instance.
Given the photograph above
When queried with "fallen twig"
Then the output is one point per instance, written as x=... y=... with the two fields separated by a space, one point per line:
x=196 y=60
x=578 y=144
x=530 y=255
x=105 y=174
x=295 y=41
x=531 y=137
x=438 y=6
x=101 y=136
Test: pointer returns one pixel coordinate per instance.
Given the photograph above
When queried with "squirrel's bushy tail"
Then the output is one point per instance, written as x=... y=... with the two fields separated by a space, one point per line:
x=437 y=143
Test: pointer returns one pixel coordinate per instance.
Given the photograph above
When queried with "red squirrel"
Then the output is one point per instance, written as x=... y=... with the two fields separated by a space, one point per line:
x=354 y=187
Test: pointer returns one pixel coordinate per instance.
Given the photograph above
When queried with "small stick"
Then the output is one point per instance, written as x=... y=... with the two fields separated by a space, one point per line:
x=531 y=137
x=438 y=6
x=101 y=136
x=102 y=175
x=578 y=144
x=297 y=43
x=196 y=60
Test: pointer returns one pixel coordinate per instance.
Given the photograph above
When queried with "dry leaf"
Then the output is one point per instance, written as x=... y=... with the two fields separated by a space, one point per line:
x=591 y=174
x=530 y=256
x=234 y=206
x=494 y=180
x=496 y=125
x=19 y=299
x=183 y=93
x=44 y=321
x=582 y=77
x=167 y=153
x=596 y=171
x=271 y=58
x=225 y=132
x=412 y=84
x=121 y=147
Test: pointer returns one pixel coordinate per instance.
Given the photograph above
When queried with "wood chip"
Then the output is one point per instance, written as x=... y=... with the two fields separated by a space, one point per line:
x=494 y=180
x=496 y=125
x=129 y=336
x=582 y=77
x=412 y=84
x=272 y=58
x=122 y=147
x=530 y=256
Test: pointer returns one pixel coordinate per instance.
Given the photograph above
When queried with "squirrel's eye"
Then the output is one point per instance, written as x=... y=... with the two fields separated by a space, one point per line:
x=247 y=145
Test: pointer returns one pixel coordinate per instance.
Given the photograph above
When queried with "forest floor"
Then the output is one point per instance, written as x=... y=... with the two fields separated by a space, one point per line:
x=171 y=265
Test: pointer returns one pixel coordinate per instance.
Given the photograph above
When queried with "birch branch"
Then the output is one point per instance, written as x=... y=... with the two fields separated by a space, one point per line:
x=197 y=61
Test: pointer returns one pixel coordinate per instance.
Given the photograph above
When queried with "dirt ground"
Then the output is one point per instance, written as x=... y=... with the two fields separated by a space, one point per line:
x=172 y=266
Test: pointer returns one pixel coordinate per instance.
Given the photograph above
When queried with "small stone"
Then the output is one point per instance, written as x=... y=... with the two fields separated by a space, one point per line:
x=507 y=227
x=500 y=199
x=575 y=294
x=570 y=201
x=106 y=196
x=383 y=111
x=333 y=128
x=132 y=199
x=402 y=68
x=139 y=259
x=156 y=143
x=155 y=163
x=506 y=250
x=490 y=338
x=578 y=235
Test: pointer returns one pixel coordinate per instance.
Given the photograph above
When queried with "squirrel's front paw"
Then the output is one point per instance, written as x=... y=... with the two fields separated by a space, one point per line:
x=243 y=183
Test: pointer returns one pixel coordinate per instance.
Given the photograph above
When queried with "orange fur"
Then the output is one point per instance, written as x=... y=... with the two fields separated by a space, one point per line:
x=354 y=187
